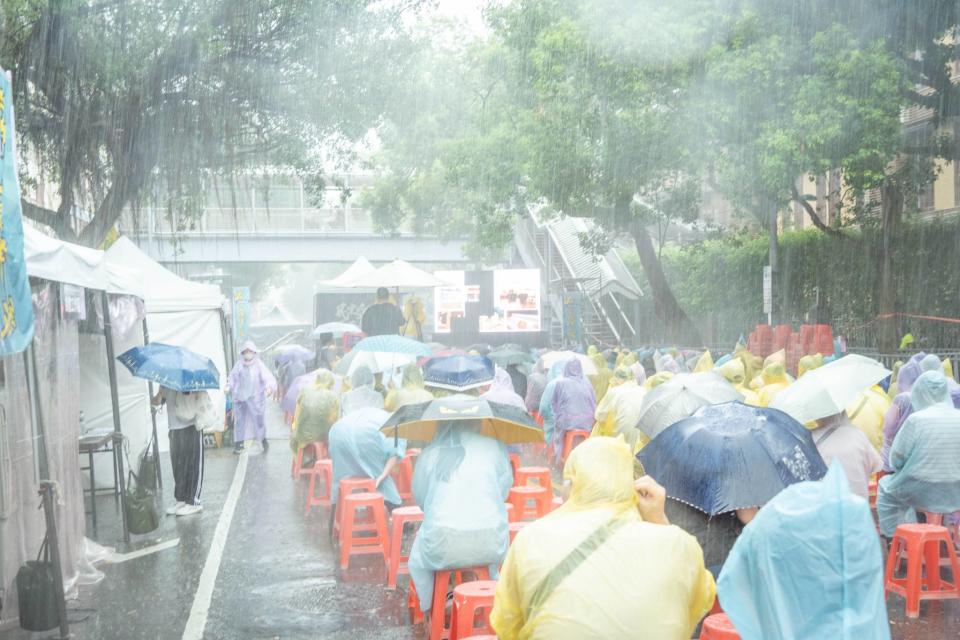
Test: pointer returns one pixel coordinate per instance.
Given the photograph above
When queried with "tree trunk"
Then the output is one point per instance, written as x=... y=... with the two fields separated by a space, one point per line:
x=679 y=327
x=886 y=303
x=774 y=257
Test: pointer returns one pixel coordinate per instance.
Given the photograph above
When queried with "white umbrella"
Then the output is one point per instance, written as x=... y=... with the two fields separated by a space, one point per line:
x=378 y=361
x=680 y=396
x=549 y=359
x=398 y=273
x=360 y=267
x=829 y=389
x=336 y=329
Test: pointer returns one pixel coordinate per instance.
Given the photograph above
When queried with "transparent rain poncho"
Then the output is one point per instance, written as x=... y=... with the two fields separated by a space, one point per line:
x=925 y=458
x=774 y=381
x=643 y=581
x=901 y=407
x=809 y=565
x=358 y=448
x=572 y=405
x=619 y=411
x=317 y=409
x=734 y=372
x=600 y=381
x=411 y=390
x=362 y=394
x=546 y=398
x=501 y=390
x=461 y=482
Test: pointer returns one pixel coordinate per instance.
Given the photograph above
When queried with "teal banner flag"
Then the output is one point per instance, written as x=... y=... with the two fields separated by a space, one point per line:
x=16 y=303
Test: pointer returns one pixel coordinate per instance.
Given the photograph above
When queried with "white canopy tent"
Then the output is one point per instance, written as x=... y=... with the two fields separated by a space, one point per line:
x=398 y=273
x=179 y=312
x=360 y=267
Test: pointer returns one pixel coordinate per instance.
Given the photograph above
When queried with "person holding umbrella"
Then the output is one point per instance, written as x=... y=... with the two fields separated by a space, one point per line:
x=250 y=383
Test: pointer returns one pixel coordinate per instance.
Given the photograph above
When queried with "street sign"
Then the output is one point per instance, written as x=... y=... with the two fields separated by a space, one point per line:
x=767 y=290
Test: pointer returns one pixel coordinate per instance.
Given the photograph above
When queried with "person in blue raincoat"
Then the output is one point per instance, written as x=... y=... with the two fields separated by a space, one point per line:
x=808 y=566
x=925 y=457
x=546 y=398
x=461 y=482
x=358 y=448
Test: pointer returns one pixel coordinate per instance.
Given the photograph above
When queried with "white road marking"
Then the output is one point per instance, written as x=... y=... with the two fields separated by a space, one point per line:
x=197 y=622
x=116 y=558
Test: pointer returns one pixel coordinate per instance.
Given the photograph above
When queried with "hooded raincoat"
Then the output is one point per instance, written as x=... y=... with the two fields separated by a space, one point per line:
x=358 y=448
x=733 y=371
x=901 y=407
x=411 y=390
x=600 y=381
x=774 y=381
x=546 y=398
x=536 y=383
x=619 y=411
x=809 y=363
x=925 y=457
x=593 y=569
x=501 y=391
x=361 y=394
x=573 y=404
x=808 y=566
x=461 y=481
x=839 y=439
x=866 y=413
x=317 y=408
x=249 y=382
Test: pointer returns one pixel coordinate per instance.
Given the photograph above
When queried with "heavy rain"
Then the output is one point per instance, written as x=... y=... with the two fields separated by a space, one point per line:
x=518 y=319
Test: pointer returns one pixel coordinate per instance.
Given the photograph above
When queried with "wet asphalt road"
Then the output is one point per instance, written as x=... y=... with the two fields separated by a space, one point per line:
x=279 y=577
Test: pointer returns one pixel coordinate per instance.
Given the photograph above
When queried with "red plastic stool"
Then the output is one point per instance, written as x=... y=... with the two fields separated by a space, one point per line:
x=402 y=475
x=718 y=627
x=348 y=485
x=352 y=544
x=398 y=562
x=571 y=439
x=413 y=604
x=319 y=453
x=540 y=474
x=922 y=543
x=872 y=493
x=439 y=630
x=468 y=599
x=322 y=469
x=514 y=466
x=515 y=528
x=520 y=496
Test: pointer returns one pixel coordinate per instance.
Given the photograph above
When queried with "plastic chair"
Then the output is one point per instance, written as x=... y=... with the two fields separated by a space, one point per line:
x=922 y=543
x=571 y=439
x=319 y=453
x=398 y=563
x=321 y=469
x=348 y=485
x=718 y=627
x=519 y=497
x=468 y=599
x=523 y=476
x=350 y=542
x=439 y=630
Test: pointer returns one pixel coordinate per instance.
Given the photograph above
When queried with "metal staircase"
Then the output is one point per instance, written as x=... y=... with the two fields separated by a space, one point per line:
x=604 y=284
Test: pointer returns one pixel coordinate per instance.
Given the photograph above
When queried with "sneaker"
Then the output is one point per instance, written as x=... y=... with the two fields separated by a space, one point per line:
x=238 y=448
x=172 y=511
x=266 y=445
x=189 y=509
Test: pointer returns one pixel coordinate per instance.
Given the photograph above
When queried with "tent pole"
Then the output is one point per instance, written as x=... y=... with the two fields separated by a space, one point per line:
x=47 y=488
x=153 y=413
x=33 y=385
x=115 y=401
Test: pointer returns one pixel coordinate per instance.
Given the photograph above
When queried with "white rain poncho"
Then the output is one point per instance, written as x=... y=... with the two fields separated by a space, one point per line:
x=362 y=394
x=808 y=566
x=358 y=448
x=461 y=482
x=925 y=457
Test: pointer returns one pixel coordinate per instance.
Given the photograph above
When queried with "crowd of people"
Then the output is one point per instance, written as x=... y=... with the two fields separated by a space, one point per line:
x=622 y=557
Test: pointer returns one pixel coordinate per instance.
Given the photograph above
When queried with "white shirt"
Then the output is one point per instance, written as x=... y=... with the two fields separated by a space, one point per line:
x=852 y=448
x=173 y=422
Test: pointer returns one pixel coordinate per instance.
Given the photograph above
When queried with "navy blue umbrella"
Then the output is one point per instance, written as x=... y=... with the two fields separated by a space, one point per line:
x=731 y=456
x=172 y=367
x=458 y=373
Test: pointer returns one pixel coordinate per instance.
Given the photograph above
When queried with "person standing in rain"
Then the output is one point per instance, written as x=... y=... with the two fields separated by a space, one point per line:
x=249 y=384
x=573 y=405
x=924 y=458
x=362 y=395
x=186 y=446
x=382 y=318
x=461 y=482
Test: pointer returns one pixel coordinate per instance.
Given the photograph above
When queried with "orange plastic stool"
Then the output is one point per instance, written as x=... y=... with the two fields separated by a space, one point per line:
x=296 y=465
x=398 y=562
x=923 y=582
x=468 y=599
x=540 y=474
x=515 y=528
x=413 y=604
x=520 y=496
x=402 y=475
x=352 y=544
x=571 y=439
x=439 y=630
x=321 y=469
x=514 y=466
x=718 y=627
x=348 y=485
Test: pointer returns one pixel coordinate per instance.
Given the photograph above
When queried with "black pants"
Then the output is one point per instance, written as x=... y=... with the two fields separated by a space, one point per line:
x=186 y=457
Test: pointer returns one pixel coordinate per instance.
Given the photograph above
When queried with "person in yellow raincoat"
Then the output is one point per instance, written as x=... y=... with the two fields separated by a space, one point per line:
x=413 y=318
x=411 y=390
x=809 y=363
x=607 y=564
x=657 y=379
x=732 y=370
x=704 y=363
x=867 y=412
x=774 y=381
x=600 y=380
x=619 y=411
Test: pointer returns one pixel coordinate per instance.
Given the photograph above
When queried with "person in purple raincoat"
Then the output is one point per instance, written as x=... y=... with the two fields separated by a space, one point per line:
x=573 y=404
x=249 y=384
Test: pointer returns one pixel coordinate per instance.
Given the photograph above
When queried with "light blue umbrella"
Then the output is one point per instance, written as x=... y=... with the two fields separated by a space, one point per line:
x=393 y=344
x=335 y=329
x=171 y=367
